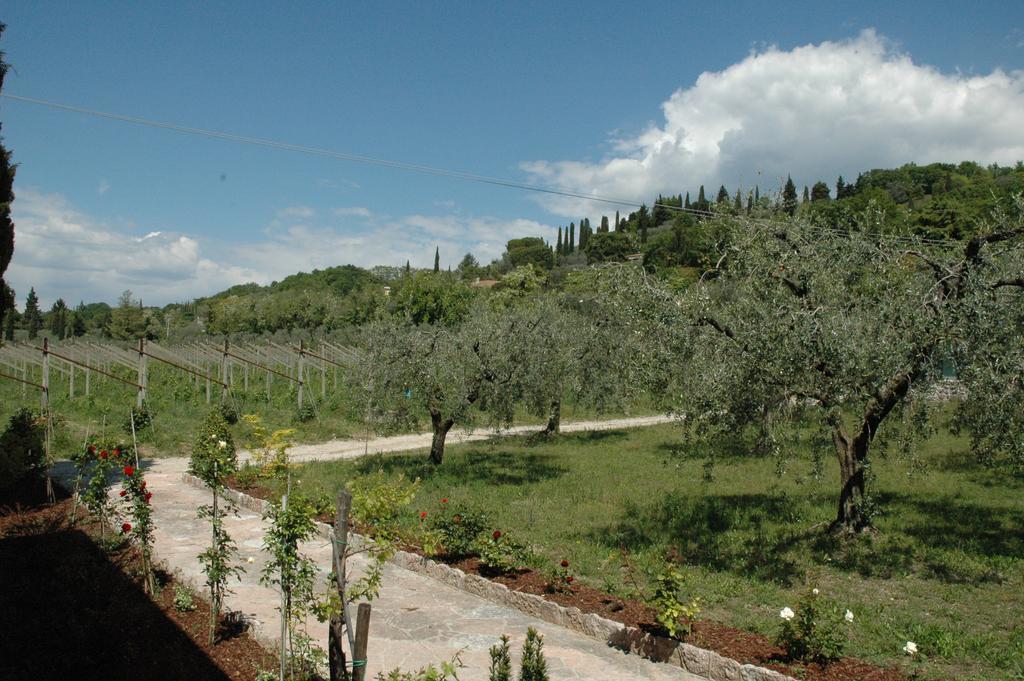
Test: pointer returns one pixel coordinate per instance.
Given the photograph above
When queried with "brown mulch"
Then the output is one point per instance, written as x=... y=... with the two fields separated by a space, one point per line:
x=73 y=611
x=743 y=646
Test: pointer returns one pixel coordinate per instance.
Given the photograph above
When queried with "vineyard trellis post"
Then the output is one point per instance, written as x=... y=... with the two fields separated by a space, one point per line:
x=141 y=398
x=224 y=373
x=300 y=368
x=44 y=397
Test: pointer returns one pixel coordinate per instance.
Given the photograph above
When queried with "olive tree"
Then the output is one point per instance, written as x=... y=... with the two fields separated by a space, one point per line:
x=444 y=372
x=851 y=329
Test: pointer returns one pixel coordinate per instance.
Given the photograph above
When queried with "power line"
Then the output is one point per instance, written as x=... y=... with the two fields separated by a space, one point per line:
x=419 y=168
x=319 y=151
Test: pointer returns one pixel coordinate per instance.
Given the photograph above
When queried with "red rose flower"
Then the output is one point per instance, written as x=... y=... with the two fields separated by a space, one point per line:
x=445 y=500
x=569 y=579
x=91 y=449
x=124 y=492
x=149 y=495
x=143 y=484
x=565 y=563
x=117 y=452
x=423 y=514
x=129 y=470
x=103 y=453
x=126 y=528
x=496 y=535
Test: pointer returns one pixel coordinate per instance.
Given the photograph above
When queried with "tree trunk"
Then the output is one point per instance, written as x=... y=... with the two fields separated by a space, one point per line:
x=851 y=515
x=852 y=455
x=554 y=419
x=441 y=428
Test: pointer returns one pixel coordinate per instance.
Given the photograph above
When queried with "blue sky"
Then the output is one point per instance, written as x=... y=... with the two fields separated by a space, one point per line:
x=595 y=97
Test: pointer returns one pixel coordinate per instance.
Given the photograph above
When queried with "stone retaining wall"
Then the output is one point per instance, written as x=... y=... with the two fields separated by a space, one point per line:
x=695 y=660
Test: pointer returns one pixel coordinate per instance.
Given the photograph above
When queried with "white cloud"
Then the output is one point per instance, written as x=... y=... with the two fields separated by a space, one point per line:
x=65 y=253
x=104 y=187
x=353 y=211
x=815 y=112
x=296 y=212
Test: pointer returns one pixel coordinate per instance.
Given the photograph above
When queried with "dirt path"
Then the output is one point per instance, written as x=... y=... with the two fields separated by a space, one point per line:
x=353 y=448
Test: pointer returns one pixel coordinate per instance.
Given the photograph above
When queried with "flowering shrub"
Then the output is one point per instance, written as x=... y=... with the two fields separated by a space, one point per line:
x=560 y=578
x=458 y=526
x=137 y=498
x=95 y=466
x=501 y=553
x=815 y=631
x=184 y=598
x=213 y=459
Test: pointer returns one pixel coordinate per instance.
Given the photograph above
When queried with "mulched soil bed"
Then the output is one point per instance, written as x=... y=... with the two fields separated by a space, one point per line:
x=743 y=646
x=72 y=611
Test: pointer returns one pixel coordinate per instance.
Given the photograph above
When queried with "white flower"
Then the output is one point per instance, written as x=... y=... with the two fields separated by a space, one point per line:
x=222 y=444
x=250 y=560
x=848 y=616
x=910 y=648
x=815 y=592
x=787 y=614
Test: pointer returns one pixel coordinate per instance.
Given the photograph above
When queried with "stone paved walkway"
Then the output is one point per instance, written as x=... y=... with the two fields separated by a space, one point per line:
x=416 y=620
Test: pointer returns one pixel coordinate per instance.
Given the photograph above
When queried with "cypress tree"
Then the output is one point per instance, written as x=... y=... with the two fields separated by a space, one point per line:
x=437 y=258
x=686 y=203
x=59 y=319
x=738 y=203
x=558 y=244
x=407 y=268
x=604 y=224
x=757 y=194
x=723 y=195
x=617 y=226
x=750 y=203
x=702 y=203
x=789 y=197
x=840 y=188
x=807 y=195
x=32 y=317
x=572 y=238
x=6 y=197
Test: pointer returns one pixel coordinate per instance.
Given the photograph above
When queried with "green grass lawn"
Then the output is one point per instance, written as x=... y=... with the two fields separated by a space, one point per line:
x=944 y=570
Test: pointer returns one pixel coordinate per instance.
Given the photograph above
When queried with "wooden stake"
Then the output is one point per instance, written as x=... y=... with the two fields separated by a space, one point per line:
x=362 y=640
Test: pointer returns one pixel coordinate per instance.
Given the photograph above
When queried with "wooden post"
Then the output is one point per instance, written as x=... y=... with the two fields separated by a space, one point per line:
x=44 y=396
x=141 y=397
x=71 y=383
x=88 y=361
x=284 y=606
x=362 y=639
x=224 y=372
x=337 y=630
x=301 y=366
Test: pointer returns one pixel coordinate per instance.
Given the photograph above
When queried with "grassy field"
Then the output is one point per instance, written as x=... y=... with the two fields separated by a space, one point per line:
x=944 y=570
x=178 y=406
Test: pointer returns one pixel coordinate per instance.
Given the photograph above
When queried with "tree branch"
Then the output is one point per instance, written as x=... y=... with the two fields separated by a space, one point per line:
x=1018 y=282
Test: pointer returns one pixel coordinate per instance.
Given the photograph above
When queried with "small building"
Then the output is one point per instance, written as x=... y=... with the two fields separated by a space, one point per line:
x=484 y=283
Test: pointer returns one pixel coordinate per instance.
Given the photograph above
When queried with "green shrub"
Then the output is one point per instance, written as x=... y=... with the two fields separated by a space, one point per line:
x=184 y=598
x=501 y=553
x=501 y=663
x=533 y=666
x=22 y=449
x=141 y=417
x=816 y=632
x=459 y=527
x=228 y=412
x=673 y=612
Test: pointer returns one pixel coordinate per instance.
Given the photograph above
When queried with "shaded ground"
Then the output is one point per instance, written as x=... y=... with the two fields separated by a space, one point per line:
x=71 y=610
